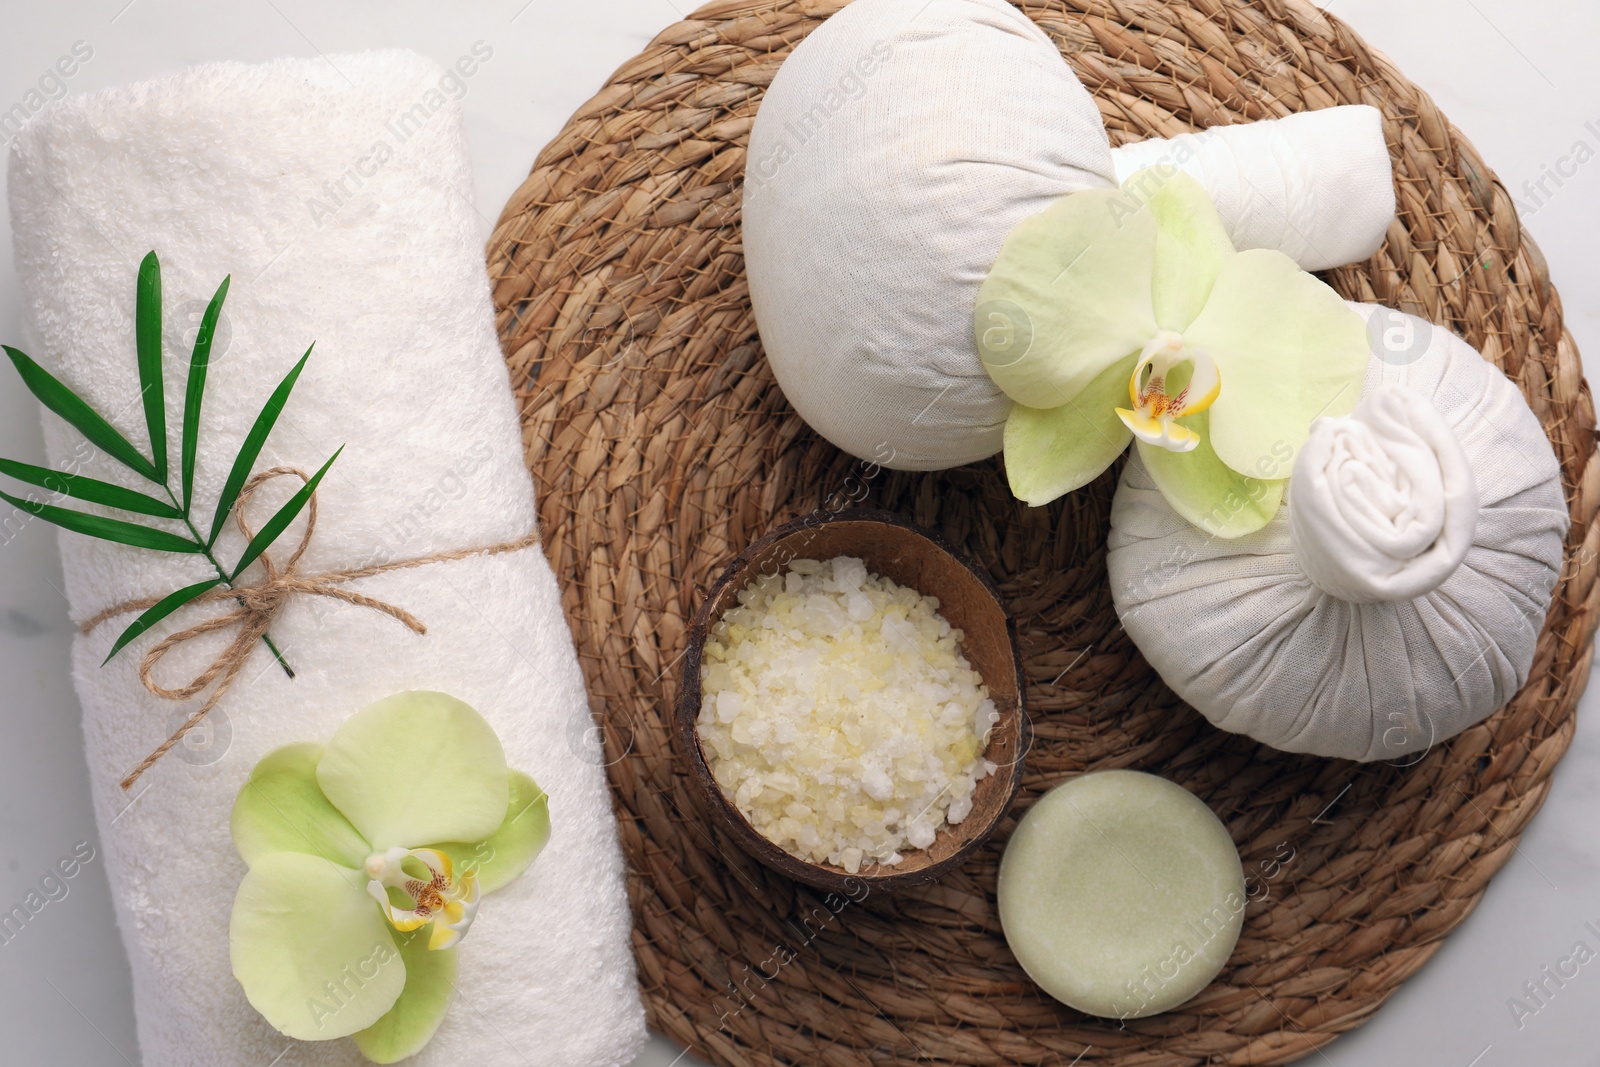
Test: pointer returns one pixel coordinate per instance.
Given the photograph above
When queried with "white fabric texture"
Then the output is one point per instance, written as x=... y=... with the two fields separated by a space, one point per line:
x=1385 y=505
x=221 y=170
x=1316 y=185
x=1237 y=629
x=896 y=148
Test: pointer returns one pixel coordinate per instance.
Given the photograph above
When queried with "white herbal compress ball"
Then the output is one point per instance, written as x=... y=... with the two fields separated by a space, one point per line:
x=1396 y=597
x=898 y=145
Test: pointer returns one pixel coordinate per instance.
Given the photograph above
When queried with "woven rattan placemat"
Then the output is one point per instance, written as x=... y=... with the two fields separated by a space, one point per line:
x=661 y=446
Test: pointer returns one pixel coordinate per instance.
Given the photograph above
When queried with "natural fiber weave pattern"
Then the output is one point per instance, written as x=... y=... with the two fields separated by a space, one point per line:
x=661 y=446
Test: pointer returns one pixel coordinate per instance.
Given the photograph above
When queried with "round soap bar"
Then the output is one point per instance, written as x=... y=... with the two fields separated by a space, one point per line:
x=1121 y=894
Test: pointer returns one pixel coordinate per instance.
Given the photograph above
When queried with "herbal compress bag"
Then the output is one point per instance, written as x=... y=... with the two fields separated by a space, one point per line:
x=1396 y=597
x=219 y=169
x=901 y=142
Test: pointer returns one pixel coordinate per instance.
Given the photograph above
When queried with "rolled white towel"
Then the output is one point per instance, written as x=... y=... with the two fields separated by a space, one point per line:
x=1383 y=505
x=1316 y=185
x=901 y=142
x=226 y=169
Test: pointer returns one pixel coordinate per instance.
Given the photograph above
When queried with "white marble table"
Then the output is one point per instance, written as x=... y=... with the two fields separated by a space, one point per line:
x=1517 y=76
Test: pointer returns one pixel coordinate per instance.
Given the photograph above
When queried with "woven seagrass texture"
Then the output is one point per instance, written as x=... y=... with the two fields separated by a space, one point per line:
x=661 y=446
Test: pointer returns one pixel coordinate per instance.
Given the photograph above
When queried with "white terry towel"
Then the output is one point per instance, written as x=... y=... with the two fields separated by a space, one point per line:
x=224 y=169
x=901 y=142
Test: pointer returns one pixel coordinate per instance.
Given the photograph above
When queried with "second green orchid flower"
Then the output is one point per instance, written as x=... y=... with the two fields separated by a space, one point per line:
x=1120 y=315
x=368 y=857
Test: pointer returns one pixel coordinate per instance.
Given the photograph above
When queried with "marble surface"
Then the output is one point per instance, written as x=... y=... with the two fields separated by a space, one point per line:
x=1517 y=76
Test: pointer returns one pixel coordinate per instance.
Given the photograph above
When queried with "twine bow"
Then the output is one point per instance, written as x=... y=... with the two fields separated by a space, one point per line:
x=257 y=605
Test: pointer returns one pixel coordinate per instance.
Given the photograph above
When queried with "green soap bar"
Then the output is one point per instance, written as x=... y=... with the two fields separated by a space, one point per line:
x=1121 y=894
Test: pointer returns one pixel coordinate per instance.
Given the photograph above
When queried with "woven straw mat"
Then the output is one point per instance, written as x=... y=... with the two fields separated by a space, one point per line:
x=661 y=446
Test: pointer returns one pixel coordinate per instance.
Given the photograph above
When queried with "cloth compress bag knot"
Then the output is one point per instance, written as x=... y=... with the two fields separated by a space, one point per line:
x=1387 y=506
x=1396 y=597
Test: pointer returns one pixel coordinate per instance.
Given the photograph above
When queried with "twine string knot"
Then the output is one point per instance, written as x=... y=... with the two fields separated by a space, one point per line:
x=255 y=607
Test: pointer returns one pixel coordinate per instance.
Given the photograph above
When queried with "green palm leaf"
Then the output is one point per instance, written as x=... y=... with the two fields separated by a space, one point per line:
x=280 y=520
x=64 y=402
x=125 y=533
x=90 y=489
x=167 y=605
x=147 y=334
x=253 y=441
x=199 y=363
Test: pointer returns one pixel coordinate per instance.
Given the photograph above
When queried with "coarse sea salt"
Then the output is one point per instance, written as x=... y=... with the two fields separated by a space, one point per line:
x=840 y=716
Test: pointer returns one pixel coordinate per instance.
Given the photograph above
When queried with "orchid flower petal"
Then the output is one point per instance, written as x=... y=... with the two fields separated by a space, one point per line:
x=410 y=1024
x=1192 y=244
x=1068 y=297
x=1049 y=453
x=1290 y=351
x=282 y=809
x=498 y=859
x=312 y=954
x=416 y=767
x=1205 y=491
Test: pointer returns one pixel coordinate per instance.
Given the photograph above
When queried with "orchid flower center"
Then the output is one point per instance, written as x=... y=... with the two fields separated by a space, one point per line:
x=436 y=895
x=1156 y=404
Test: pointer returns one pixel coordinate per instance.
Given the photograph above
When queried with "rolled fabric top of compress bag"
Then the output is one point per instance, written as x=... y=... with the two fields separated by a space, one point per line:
x=226 y=170
x=901 y=142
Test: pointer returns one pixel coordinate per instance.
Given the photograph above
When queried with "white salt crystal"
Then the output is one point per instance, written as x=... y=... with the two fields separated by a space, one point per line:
x=878 y=784
x=848 y=573
x=859 y=605
x=920 y=833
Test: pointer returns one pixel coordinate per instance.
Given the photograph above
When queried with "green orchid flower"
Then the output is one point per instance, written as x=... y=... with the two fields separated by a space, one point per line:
x=1120 y=315
x=368 y=857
